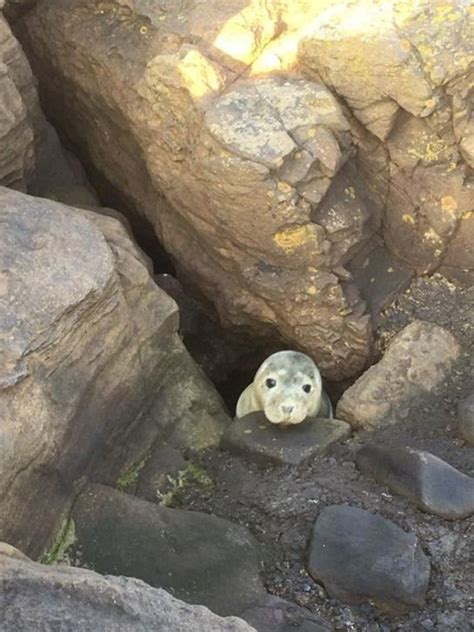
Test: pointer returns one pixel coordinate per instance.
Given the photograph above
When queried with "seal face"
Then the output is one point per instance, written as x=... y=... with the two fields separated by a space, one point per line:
x=287 y=387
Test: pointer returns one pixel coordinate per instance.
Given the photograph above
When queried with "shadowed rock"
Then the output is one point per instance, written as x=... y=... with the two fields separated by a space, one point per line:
x=361 y=557
x=465 y=422
x=431 y=483
x=200 y=558
x=273 y=614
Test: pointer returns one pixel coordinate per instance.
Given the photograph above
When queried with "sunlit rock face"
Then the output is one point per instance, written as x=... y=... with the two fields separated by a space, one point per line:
x=268 y=142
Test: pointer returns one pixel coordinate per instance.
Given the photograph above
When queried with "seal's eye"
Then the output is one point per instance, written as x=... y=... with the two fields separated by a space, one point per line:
x=307 y=388
x=270 y=383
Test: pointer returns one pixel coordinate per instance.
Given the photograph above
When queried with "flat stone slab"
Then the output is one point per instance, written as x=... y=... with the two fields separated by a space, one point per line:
x=256 y=438
x=434 y=485
x=361 y=557
x=199 y=558
x=273 y=614
x=465 y=421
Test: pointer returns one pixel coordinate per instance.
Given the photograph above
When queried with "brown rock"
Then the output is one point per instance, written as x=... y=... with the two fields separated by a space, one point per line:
x=90 y=359
x=253 y=157
x=31 y=156
x=264 y=220
x=417 y=360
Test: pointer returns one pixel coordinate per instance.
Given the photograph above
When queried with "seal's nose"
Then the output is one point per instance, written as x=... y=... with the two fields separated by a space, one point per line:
x=287 y=410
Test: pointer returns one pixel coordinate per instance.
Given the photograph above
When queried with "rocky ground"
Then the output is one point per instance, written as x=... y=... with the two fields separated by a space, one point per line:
x=280 y=505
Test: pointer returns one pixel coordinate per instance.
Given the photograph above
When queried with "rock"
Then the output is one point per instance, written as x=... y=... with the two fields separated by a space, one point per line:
x=273 y=614
x=361 y=557
x=417 y=360
x=254 y=437
x=43 y=598
x=195 y=556
x=31 y=157
x=164 y=462
x=405 y=77
x=379 y=276
x=84 y=331
x=434 y=485
x=16 y=8
x=465 y=421
x=18 y=100
x=254 y=156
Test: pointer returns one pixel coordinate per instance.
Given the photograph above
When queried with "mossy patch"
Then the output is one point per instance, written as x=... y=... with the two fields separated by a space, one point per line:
x=63 y=540
x=193 y=477
x=130 y=476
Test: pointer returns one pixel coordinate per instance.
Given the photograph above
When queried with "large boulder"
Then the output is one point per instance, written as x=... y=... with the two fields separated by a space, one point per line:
x=44 y=598
x=217 y=123
x=89 y=359
x=253 y=157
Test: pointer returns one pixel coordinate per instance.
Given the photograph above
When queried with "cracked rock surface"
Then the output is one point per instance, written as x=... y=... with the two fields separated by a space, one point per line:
x=268 y=142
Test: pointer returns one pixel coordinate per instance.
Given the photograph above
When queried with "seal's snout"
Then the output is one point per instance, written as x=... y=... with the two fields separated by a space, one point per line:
x=287 y=410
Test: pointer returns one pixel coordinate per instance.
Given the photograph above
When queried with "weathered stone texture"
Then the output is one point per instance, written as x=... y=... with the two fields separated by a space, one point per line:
x=43 y=598
x=216 y=121
x=416 y=362
x=89 y=352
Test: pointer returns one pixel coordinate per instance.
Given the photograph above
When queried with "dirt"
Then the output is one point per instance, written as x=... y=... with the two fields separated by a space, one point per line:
x=280 y=505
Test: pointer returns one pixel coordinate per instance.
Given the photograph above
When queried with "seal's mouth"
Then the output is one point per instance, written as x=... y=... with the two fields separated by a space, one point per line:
x=284 y=420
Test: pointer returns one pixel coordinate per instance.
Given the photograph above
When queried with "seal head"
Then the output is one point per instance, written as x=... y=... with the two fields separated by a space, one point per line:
x=287 y=387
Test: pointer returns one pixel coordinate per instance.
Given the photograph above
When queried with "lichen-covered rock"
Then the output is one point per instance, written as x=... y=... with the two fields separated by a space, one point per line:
x=89 y=351
x=43 y=598
x=404 y=70
x=416 y=361
x=254 y=157
x=279 y=185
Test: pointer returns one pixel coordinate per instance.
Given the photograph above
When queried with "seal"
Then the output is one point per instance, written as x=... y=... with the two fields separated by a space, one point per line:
x=288 y=388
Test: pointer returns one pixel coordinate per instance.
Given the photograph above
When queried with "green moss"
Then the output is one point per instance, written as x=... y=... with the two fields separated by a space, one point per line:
x=192 y=477
x=64 y=538
x=130 y=476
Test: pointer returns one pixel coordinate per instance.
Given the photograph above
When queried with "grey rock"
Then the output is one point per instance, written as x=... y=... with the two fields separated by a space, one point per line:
x=197 y=557
x=416 y=362
x=44 y=598
x=361 y=557
x=273 y=614
x=379 y=275
x=434 y=485
x=84 y=331
x=263 y=442
x=465 y=421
